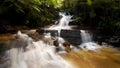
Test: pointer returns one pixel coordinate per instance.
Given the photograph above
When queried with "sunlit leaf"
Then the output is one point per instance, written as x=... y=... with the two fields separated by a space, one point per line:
x=36 y=8
x=89 y=2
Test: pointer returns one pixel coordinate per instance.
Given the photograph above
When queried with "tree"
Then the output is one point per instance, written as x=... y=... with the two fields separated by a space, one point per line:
x=29 y=12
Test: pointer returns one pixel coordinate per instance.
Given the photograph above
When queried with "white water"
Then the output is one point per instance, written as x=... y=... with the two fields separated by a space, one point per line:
x=63 y=23
x=85 y=36
x=33 y=54
x=87 y=42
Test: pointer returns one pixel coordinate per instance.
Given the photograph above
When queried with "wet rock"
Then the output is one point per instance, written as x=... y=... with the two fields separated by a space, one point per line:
x=67 y=46
x=73 y=36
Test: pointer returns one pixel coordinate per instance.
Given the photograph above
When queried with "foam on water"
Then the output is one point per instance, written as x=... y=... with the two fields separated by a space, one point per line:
x=33 y=54
x=63 y=23
x=87 y=42
x=90 y=45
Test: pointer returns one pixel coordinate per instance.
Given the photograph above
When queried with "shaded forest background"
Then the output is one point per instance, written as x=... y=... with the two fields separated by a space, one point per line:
x=102 y=15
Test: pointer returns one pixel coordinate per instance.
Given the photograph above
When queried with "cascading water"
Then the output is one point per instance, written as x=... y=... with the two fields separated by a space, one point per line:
x=85 y=36
x=63 y=23
x=87 y=41
x=27 y=53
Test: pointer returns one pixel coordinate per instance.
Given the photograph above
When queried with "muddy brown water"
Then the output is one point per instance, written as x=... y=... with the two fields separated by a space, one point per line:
x=104 y=58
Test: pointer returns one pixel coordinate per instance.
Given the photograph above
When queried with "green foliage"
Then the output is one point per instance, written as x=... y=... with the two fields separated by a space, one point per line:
x=92 y=14
x=33 y=13
x=107 y=13
x=99 y=14
x=54 y=3
x=89 y=2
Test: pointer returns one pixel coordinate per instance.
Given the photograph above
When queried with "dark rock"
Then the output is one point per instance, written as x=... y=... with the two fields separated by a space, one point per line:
x=72 y=36
x=70 y=33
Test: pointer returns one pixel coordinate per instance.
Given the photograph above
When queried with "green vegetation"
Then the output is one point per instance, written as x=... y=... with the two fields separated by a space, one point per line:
x=99 y=14
x=32 y=13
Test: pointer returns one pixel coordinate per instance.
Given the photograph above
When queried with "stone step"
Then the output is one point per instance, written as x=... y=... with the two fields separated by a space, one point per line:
x=72 y=36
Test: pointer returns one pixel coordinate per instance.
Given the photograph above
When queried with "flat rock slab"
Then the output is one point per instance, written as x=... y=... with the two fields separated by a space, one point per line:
x=72 y=36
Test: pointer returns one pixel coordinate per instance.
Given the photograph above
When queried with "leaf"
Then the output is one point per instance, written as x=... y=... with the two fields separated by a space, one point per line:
x=89 y=2
x=92 y=14
x=36 y=8
x=118 y=24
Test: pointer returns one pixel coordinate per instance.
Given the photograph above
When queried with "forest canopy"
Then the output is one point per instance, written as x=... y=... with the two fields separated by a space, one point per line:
x=99 y=14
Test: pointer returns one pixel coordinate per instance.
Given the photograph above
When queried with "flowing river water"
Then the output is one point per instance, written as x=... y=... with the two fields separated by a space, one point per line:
x=105 y=57
x=22 y=51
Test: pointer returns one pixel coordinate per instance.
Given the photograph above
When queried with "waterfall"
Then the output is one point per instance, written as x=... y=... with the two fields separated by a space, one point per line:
x=87 y=42
x=63 y=22
x=85 y=36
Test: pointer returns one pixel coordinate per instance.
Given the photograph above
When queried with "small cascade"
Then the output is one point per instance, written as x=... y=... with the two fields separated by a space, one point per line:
x=63 y=23
x=27 y=53
x=87 y=42
x=85 y=36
